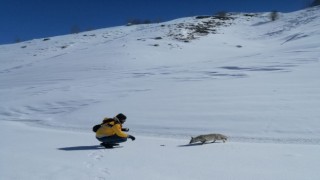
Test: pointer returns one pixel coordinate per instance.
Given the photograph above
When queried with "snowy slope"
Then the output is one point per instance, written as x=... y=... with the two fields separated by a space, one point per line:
x=73 y=81
x=244 y=76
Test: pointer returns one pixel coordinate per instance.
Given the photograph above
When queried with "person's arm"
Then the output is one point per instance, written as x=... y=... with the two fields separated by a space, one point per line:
x=117 y=130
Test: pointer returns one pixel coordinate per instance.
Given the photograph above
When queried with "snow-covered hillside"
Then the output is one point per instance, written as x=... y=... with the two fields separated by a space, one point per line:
x=243 y=75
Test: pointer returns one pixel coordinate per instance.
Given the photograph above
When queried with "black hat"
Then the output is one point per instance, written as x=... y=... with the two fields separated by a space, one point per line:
x=122 y=118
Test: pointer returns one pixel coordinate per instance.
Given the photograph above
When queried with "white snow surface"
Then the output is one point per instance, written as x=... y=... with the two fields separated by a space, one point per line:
x=252 y=79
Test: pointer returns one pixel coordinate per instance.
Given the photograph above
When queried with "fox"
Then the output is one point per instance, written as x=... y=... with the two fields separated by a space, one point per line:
x=208 y=137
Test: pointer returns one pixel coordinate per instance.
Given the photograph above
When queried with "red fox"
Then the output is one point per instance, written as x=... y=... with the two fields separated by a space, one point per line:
x=208 y=137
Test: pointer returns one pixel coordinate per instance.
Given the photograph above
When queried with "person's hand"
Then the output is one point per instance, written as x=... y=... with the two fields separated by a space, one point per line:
x=125 y=129
x=131 y=137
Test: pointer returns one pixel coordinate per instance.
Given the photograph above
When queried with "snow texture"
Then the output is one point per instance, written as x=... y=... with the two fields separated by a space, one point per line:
x=244 y=76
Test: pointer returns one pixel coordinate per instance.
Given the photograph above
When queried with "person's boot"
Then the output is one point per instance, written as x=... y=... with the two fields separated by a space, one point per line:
x=107 y=145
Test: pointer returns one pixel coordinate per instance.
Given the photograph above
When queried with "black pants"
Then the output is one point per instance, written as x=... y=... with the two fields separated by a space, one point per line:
x=112 y=139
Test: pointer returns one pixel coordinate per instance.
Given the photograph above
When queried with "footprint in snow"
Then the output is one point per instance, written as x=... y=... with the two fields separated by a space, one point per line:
x=99 y=178
x=96 y=155
x=88 y=164
x=105 y=171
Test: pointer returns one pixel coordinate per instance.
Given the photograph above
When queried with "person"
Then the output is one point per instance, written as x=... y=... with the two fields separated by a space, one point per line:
x=111 y=131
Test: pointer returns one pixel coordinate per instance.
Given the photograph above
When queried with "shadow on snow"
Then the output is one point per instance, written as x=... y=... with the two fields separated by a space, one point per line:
x=196 y=144
x=81 y=148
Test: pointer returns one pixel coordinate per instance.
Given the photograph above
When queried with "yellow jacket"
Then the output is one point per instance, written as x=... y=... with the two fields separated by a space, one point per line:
x=110 y=129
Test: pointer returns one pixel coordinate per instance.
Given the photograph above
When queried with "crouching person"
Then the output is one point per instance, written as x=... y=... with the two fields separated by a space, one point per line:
x=111 y=132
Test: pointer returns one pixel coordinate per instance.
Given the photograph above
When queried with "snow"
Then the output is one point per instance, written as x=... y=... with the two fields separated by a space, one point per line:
x=254 y=80
x=55 y=154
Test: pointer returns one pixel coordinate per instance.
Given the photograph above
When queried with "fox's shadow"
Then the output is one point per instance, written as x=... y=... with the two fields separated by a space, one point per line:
x=196 y=144
x=81 y=148
x=189 y=145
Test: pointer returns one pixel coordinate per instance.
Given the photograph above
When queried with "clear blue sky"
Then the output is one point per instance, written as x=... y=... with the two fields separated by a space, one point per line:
x=30 y=19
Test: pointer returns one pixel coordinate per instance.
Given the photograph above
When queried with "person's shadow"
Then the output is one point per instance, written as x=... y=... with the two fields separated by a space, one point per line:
x=81 y=148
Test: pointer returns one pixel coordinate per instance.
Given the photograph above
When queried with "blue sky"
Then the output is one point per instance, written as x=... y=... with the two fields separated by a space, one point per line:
x=30 y=19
